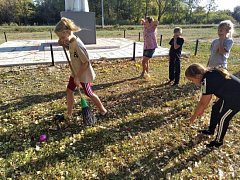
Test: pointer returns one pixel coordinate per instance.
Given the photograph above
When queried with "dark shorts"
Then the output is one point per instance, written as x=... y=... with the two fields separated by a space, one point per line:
x=148 y=52
x=87 y=87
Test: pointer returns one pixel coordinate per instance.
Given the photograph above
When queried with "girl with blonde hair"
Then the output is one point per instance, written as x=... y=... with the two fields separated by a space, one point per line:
x=221 y=47
x=83 y=74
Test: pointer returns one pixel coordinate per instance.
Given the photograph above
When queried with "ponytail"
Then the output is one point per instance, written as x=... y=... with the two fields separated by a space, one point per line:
x=223 y=72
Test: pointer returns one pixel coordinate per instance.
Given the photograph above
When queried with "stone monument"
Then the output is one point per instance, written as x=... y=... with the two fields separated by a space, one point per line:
x=78 y=11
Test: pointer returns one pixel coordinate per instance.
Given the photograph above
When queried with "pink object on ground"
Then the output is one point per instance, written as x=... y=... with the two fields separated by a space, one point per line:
x=43 y=137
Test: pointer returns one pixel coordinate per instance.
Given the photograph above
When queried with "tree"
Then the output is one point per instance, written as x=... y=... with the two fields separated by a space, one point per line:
x=200 y=9
x=191 y=6
x=163 y=5
x=211 y=6
x=8 y=12
x=199 y=15
x=236 y=13
x=24 y=10
x=48 y=11
x=177 y=15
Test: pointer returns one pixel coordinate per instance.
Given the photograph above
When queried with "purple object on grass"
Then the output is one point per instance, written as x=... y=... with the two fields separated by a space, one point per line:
x=43 y=137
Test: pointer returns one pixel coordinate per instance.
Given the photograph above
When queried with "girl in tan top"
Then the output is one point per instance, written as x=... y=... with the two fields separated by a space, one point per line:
x=83 y=74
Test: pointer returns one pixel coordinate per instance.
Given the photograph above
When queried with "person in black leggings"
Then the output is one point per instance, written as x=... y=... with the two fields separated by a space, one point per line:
x=224 y=86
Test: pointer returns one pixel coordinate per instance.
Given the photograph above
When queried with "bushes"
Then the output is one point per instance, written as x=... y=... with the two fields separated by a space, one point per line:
x=215 y=18
x=200 y=18
x=113 y=21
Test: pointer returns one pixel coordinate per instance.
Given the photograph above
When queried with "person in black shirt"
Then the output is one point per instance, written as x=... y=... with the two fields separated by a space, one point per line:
x=224 y=86
x=174 y=56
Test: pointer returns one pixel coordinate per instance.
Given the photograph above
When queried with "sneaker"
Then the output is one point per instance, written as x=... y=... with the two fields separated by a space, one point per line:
x=175 y=84
x=169 y=82
x=59 y=117
x=206 y=132
x=62 y=117
x=101 y=116
x=214 y=144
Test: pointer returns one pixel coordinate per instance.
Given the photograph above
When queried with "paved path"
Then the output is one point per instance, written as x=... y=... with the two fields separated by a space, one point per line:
x=27 y=52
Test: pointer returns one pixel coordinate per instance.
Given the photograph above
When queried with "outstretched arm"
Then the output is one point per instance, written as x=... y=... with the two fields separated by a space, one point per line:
x=202 y=105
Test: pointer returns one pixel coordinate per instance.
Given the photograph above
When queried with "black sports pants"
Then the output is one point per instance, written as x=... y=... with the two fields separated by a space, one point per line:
x=221 y=115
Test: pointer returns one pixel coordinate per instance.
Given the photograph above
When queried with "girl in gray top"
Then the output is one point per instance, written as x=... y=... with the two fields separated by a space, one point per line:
x=220 y=48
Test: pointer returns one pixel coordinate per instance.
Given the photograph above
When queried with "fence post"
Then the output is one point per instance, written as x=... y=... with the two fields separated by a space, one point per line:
x=139 y=36
x=5 y=36
x=134 y=50
x=51 y=34
x=124 y=33
x=52 y=54
x=160 y=40
x=196 y=47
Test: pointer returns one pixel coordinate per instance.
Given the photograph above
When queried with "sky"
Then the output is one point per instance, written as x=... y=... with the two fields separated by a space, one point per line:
x=224 y=4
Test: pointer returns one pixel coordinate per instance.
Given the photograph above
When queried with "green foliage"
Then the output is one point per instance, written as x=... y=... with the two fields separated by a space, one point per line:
x=213 y=17
x=219 y=16
x=47 y=12
x=177 y=15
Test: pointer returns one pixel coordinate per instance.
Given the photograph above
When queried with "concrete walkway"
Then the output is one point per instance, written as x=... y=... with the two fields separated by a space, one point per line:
x=29 y=52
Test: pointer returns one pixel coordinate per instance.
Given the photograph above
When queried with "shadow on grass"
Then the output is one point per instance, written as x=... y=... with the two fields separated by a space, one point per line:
x=154 y=166
x=22 y=138
x=185 y=164
x=106 y=85
x=140 y=100
x=27 y=101
x=95 y=142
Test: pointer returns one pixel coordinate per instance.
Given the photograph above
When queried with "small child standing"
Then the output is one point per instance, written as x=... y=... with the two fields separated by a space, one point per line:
x=174 y=56
x=150 y=43
x=220 y=48
x=83 y=74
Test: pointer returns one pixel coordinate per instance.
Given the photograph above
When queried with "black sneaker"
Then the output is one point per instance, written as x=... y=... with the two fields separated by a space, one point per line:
x=169 y=82
x=206 y=132
x=214 y=144
x=59 y=117
x=101 y=117
x=175 y=84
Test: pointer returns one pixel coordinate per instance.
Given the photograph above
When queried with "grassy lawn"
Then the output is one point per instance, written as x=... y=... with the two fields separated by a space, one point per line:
x=146 y=136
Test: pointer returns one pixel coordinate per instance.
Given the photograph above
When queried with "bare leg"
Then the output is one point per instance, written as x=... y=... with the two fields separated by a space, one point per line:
x=70 y=102
x=147 y=69
x=98 y=103
x=145 y=64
